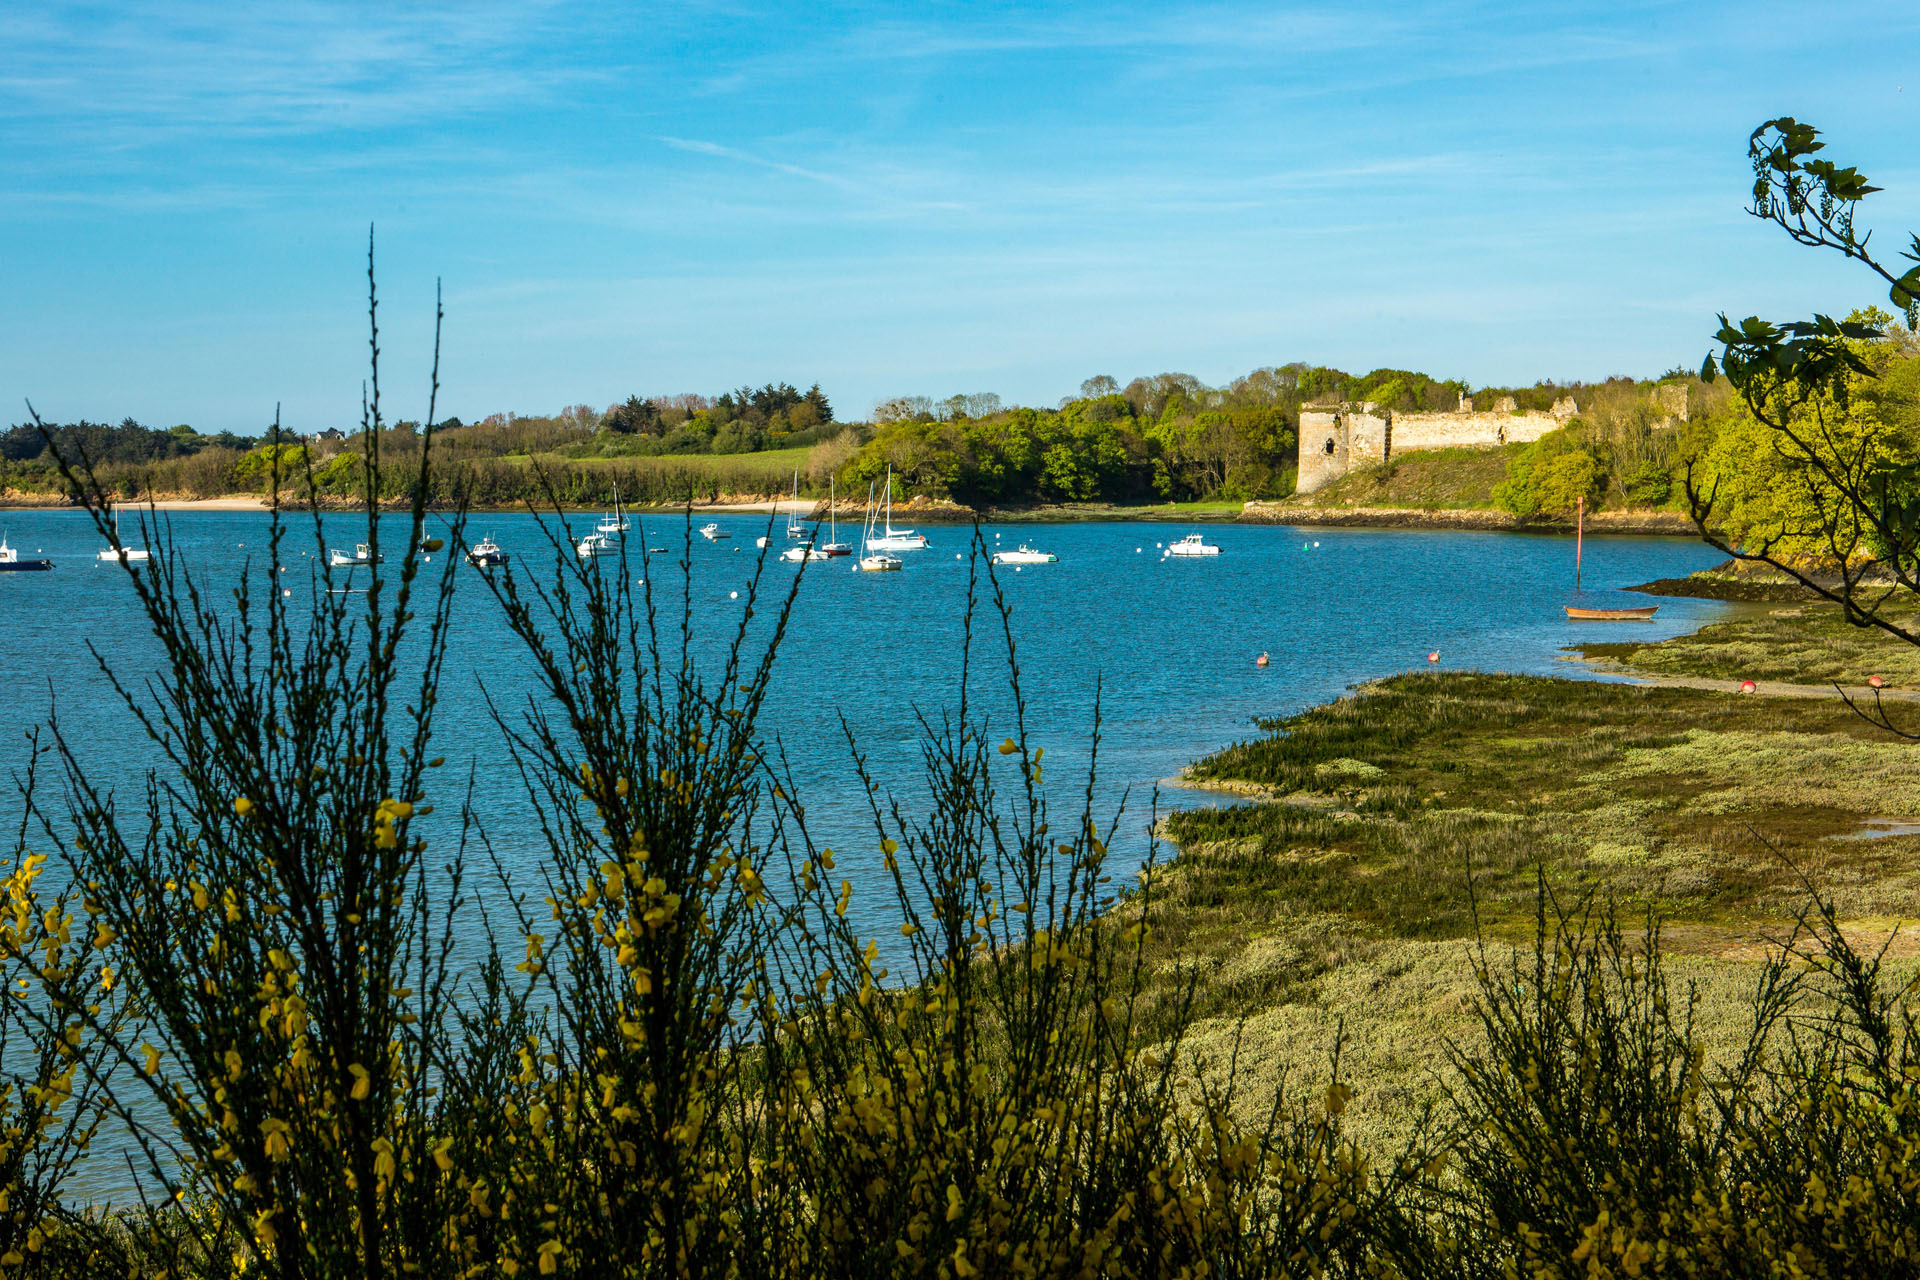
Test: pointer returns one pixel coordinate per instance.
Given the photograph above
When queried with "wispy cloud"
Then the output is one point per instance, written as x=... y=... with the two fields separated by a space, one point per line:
x=116 y=78
x=887 y=195
x=715 y=149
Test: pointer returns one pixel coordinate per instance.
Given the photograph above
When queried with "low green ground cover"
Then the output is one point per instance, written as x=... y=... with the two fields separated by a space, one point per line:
x=1409 y=825
x=1445 y=479
x=1805 y=643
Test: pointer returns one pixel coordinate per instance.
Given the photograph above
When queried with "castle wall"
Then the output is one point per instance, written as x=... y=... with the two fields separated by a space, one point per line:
x=1468 y=430
x=1323 y=450
x=1335 y=441
x=1370 y=437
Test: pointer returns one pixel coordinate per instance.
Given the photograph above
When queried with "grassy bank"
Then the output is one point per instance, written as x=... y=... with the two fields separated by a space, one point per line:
x=1804 y=643
x=1391 y=826
x=1445 y=479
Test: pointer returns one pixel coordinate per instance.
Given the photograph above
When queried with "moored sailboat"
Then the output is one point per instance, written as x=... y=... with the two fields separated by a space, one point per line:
x=893 y=539
x=796 y=530
x=122 y=552
x=873 y=556
x=614 y=525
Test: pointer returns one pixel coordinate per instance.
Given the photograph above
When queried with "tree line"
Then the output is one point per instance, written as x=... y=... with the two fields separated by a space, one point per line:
x=1155 y=438
x=1629 y=448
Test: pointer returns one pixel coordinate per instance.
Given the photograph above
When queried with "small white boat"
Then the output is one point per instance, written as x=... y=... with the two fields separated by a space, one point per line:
x=10 y=561
x=614 y=525
x=597 y=544
x=833 y=547
x=1025 y=555
x=873 y=557
x=1192 y=545
x=713 y=532
x=486 y=554
x=129 y=555
x=804 y=551
x=362 y=554
x=761 y=542
x=906 y=540
x=893 y=539
x=795 y=529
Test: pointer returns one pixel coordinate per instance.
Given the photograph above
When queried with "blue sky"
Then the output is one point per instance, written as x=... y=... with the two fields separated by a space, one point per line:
x=910 y=199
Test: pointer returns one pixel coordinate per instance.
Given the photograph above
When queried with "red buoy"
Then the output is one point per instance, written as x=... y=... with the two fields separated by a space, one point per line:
x=1434 y=656
x=1746 y=686
x=1260 y=661
x=1876 y=682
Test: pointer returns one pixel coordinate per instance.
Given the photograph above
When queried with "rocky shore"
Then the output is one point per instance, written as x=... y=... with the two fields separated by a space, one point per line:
x=1665 y=523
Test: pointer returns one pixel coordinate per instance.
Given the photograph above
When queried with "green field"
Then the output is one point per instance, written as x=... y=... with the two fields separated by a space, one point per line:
x=665 y=480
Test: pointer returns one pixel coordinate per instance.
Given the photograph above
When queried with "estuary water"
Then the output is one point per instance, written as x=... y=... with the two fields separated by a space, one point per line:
x=1171 y=643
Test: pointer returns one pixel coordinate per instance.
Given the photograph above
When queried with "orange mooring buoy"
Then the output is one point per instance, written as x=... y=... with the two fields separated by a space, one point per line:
x=1260 y=661
x=1876 y=682
x=1747 y=686
x=1434 y=656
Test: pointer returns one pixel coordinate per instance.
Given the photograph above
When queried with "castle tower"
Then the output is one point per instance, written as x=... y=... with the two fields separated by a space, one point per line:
x=1323 y=449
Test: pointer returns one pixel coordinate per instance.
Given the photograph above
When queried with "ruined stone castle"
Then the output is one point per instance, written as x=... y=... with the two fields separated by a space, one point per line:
x=1335 y=439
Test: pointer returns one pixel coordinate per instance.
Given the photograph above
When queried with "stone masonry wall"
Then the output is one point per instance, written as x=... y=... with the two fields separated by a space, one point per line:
x=1323 y=450
x=1458 y=430
x=1333 y=441
x=1369 y=437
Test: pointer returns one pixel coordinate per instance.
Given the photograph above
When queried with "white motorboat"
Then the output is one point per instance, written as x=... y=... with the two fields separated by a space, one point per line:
x=804 y=551
x=713 y=532
x=486 y=554
x=124 y=553
x=362 y=554
x=597 y=544
x=1192 y=545
x=1025 y=555
x=895 y=539
x=10 y=561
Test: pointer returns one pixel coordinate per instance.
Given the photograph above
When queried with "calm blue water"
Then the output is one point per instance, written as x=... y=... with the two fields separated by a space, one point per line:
x=1173 y=642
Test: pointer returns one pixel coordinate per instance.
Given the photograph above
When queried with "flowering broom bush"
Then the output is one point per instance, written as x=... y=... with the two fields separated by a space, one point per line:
x=679 y=1056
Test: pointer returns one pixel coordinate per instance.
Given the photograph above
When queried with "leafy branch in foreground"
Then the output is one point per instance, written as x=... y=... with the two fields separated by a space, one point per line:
x=1846 y=455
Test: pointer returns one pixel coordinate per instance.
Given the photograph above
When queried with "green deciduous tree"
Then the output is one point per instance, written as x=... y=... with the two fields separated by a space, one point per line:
x=1832 y=434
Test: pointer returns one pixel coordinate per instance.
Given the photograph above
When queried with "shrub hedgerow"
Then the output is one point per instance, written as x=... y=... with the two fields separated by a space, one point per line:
x=682 y=1058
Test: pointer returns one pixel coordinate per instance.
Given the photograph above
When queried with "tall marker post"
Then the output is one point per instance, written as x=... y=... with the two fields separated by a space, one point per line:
x=1579 y=536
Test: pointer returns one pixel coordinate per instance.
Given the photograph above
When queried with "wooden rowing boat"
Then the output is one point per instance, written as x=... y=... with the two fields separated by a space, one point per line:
x=1612 y=615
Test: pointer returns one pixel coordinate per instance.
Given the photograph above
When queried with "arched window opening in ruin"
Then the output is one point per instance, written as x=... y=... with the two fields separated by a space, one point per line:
x=1329 y=446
